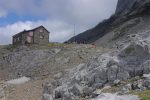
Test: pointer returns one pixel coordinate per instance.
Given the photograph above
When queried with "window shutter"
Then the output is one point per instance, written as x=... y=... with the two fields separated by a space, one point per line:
x=30 y=34
x=29 y=39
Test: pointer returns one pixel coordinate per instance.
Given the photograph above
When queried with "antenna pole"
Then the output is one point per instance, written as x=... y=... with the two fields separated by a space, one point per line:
x=74 y=33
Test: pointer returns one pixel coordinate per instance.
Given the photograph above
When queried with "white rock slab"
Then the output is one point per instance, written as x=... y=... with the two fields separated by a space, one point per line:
x=109 y=96
x=147 y=76
x=18 y=81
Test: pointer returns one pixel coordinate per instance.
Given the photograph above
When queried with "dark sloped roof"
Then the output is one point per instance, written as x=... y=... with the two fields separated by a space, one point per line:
x=30 y=30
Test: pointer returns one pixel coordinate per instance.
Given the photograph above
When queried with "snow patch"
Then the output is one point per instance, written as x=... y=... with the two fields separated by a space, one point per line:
x=109 y=96
x=18 y=81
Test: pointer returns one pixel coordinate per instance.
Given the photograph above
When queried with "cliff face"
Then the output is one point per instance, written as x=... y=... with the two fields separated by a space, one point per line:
x=123 y=6
x=131 y=6
x=126 y=10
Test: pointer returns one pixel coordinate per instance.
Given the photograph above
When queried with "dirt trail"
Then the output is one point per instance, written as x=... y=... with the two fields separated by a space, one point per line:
x=31 y=90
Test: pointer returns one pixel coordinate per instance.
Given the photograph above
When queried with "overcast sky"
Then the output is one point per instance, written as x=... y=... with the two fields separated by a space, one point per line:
x=58 y=16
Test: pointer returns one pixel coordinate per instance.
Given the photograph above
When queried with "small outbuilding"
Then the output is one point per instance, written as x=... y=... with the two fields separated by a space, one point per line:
x=39 y=35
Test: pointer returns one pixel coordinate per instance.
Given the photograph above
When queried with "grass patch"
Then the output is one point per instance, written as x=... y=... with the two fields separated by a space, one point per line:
x=58 y=45
x=144 y=95
x=6 y=49
x=54 y=44
x=10 y=47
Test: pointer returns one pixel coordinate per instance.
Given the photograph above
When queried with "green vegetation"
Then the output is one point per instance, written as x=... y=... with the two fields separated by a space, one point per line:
x=54 y=44
x=145 y=95
x=10 y=47
x=6 y=48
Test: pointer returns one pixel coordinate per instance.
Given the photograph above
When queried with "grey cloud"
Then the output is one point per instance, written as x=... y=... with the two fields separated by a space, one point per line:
x=20 y=6
x=83 y=12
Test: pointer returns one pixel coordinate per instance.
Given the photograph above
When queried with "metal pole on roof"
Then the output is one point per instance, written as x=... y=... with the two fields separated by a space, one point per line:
x=74 y=33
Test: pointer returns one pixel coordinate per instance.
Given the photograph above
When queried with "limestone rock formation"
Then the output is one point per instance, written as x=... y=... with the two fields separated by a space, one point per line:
x=101 y=70
x=131 y=6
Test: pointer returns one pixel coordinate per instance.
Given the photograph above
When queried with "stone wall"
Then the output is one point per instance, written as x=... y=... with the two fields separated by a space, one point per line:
x=41 y=37
x=17 y=39
x=24 y=38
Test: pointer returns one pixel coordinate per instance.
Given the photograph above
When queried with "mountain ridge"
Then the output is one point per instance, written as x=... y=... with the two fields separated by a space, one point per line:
x=125 y=10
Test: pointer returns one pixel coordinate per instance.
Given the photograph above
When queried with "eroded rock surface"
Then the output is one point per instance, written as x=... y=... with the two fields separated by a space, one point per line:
x=102 y=69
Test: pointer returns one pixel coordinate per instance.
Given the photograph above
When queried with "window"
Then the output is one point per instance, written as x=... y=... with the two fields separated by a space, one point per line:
x=29 y=39
x=14 y=39
x=18 y=39
x=30 y=33
x=41 y=30
x=41 y=36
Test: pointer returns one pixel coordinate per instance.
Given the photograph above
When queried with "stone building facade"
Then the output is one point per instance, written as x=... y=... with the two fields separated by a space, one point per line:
x=39 y=35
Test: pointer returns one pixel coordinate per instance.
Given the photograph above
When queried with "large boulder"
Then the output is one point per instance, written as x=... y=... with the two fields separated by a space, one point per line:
x=147 y=84
x=132 y=57
x=123 y=75
x=135 y=51
x=68 y=96
x=103 y=69
x=146 y=67
x=47 y=97
x=112 y=72
x=76 y=90
x=58 y=92
x=87 y=91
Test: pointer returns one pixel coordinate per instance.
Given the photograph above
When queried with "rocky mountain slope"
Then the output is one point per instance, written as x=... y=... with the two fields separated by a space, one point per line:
x=41 y=64
x=134 y=11
x=37 y=61
x=73 y=72
x=116 y=68
x=128 y=7
x=103 y=70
